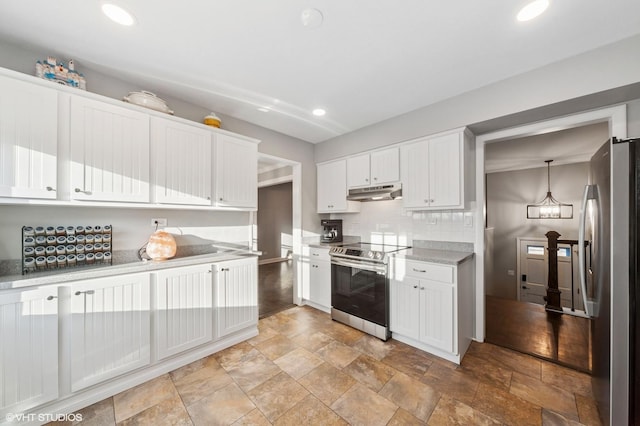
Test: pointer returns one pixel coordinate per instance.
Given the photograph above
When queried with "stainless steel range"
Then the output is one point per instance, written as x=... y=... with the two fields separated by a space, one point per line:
x=360 y=286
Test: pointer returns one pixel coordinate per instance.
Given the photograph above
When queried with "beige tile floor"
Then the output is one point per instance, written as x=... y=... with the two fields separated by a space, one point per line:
x=304 y=369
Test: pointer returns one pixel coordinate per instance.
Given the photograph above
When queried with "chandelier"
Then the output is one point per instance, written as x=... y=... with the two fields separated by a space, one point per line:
x=549 y=207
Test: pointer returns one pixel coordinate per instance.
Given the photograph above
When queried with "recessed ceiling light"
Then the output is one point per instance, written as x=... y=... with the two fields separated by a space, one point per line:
x=118 y=14
x=311 y=18
x=319 y=112
x=532 y=10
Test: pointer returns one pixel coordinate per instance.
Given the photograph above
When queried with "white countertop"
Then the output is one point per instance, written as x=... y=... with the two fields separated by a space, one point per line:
x=448 y=257
x=59 y=276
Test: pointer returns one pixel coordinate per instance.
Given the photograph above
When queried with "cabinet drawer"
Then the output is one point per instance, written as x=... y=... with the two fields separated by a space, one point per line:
x=316 y=253
x=430 y=271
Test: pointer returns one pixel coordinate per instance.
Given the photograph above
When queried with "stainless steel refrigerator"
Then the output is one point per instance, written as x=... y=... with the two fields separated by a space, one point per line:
x=595 y=219
x=612 y=199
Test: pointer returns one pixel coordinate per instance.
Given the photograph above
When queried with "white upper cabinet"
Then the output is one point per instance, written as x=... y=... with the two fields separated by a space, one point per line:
x=181 y=163
x=358 y=173
x=109 y=152
x=375 y=168
x=332 y=188
x=28 y=140
x=438 y=172
x=236 y=172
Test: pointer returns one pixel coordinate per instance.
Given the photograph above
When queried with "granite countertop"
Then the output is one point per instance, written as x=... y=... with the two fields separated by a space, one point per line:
x=315 y=241
x=119 y=267
x=449 y=257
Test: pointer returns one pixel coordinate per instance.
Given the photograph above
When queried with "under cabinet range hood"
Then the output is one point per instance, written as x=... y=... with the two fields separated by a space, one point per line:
x=376 y=193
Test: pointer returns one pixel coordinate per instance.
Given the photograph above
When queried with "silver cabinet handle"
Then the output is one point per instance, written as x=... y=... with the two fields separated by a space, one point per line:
x=208 y=198
x=50 y=188
x=220 y=199
x=366 y=180
x=83 y=191
x=419 y=270
x=421 y=288
x=415 y=286
x=431 y=201
x=224 y=269
x=52 y=297
x=315 y=254
x=375 y=178
x=78 y=293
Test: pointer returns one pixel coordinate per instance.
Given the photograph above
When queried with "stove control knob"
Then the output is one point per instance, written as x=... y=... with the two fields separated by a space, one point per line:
x=378 y=255
x=370 y=254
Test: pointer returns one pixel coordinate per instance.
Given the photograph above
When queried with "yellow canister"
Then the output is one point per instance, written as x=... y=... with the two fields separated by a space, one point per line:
x=212 y=120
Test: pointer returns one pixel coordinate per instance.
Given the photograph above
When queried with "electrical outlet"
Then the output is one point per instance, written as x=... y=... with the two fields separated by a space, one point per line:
x=161 y=221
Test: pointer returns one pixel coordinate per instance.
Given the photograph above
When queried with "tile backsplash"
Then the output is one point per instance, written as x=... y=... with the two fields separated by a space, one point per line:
x=388 y=222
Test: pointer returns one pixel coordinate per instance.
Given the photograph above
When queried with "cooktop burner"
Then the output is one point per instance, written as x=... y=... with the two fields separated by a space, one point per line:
x=376 y=252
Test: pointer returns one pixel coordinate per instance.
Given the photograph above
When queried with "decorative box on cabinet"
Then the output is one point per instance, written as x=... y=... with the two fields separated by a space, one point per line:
x=181 y=158
x=110 y=328
x=316 y=277
x=236 y=172
x=29 y=349
x=28 y=140
x=109 y=152
x=332 y=188
x=431 y=306
x=236 y=295
x=183 y=309
x=438 y=172
x=375 y=168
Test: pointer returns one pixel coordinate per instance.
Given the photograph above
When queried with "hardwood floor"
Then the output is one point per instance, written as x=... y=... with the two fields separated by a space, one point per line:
x=528 y=328
x=275 y=287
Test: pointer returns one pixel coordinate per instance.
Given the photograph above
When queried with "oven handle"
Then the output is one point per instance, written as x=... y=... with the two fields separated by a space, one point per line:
x=359 y=265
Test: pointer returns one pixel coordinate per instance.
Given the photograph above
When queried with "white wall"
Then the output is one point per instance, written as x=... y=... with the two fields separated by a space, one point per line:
x=131 y=227
x=386 y=221
x=508 y=194
x=593 y=72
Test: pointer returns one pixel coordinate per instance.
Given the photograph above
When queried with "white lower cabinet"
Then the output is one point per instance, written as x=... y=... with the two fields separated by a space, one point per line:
x=105 y=329
x=316 y=277
x=182 y=309
x=29 y=349
x=430 y=306
x=110 y=328
x=236 y=295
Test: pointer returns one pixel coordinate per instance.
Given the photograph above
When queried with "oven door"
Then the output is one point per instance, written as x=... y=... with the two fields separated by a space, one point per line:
x=360 y=289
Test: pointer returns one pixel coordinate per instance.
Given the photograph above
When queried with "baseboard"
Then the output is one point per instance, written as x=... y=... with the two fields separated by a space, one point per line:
x=274 y=260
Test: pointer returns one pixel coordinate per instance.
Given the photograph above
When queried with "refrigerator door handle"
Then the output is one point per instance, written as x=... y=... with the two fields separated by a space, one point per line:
x=581 y=249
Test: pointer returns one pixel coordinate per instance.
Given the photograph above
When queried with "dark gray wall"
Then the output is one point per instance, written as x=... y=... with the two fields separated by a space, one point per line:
x=274 y=220
x=508 y=194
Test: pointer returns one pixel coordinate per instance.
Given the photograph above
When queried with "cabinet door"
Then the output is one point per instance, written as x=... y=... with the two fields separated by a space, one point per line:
x=436 y=314
x=320 y=283
x=28 y=140
x=445 y=163
x=183 y=308
x=110 y=328
x=404 y=307
x=332 y=186
x=181 y=163
x=415 y=174
x=358 y=171
x=236 y=176
x=385 y=166
x=109 y=152
x=236 y=298
x=29 y=349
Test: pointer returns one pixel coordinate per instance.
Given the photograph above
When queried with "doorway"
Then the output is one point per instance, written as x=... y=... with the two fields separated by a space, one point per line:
x=276 y=232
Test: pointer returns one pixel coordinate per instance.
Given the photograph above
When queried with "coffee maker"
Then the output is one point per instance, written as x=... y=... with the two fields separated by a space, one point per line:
x=332 y=231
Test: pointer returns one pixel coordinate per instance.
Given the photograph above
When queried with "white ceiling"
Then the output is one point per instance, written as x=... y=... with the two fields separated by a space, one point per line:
x=563 y=147
x=368 y=61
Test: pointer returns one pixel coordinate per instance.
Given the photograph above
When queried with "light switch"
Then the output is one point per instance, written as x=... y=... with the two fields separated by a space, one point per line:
x=468 y=221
